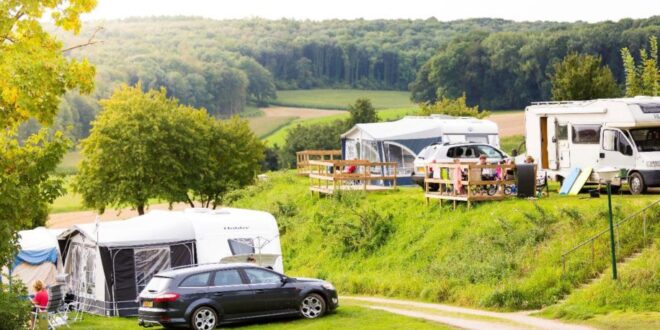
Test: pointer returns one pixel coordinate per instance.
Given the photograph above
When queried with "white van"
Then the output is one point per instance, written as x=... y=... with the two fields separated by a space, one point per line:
x=621 y=133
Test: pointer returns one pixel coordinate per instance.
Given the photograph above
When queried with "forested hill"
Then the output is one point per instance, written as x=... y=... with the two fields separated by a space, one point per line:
x=222 y=64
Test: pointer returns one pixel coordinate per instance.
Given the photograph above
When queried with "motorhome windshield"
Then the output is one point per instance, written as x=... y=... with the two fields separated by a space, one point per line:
x=646 y=139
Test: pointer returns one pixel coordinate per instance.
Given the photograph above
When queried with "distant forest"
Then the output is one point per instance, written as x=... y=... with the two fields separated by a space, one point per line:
x=224 y=64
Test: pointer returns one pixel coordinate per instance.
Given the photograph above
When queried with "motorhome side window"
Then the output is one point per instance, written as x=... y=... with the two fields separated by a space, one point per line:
x=585 y=134
x=562 y=132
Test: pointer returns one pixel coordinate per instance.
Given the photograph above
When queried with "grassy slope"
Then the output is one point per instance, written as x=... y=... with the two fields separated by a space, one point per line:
x=341 y=98
x=345 y=317
x=633 y=301
x=279 y=136
x=502 y=255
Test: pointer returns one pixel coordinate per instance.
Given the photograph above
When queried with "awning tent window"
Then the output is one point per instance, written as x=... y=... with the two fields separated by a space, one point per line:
x=148 y=262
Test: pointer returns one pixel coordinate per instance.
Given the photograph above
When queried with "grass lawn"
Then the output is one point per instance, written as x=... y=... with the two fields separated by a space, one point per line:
x=344 y=317
x=69 y=163
x=264 y=126
x=279 y=136
x=509 y=143
x=341 y=98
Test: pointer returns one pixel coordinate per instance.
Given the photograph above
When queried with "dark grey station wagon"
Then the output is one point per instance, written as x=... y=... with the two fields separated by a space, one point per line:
x=202 y=297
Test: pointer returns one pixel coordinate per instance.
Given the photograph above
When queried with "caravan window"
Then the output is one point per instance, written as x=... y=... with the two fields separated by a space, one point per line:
x=586 y=134
x=241 y=245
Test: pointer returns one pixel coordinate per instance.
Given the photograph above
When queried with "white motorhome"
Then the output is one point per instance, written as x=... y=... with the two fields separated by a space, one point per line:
x=621 y=133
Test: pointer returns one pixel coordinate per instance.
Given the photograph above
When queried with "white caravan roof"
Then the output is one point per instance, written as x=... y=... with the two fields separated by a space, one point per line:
x=202 y=225
x=421 y=127
x=637 y=111
x=38 y=239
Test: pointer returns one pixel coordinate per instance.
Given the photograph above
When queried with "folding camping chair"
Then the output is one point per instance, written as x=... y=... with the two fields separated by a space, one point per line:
x=541 y=183
x=56 y=313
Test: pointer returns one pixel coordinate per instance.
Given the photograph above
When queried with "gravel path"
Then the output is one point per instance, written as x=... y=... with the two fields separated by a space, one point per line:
x=519 y=320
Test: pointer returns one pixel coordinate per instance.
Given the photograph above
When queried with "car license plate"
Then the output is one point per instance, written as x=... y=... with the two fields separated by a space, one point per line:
x=147 y=304
x=420 y=170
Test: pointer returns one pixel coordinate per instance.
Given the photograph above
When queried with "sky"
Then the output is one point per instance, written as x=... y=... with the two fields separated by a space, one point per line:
x=444 y=10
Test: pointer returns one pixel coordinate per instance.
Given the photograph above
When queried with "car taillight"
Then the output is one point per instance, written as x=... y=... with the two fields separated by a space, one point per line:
x=166 y=297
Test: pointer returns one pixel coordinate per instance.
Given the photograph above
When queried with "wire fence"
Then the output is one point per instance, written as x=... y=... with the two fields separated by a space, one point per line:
x=630 y=234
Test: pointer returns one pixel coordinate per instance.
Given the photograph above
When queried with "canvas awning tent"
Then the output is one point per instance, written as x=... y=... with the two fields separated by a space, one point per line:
x=111 y=262
x=400 y=141
x=38 y=257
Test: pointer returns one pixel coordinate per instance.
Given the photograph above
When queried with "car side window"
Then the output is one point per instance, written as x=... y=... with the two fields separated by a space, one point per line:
x=450 y=152
x=197 y=280
x=490 y=152
x=227 y=277
x=260 y=276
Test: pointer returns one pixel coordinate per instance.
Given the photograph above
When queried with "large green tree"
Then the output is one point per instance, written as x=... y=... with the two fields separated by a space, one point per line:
x=581 y=77
x=233 y=157
x=642 y=79
x=141 y=146
x=452 y=107
x=261 y=87
x=34 y=74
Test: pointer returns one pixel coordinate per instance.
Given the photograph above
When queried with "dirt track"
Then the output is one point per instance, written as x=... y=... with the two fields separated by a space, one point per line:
x=304 y=113
x=68 y=219
x=510 y=123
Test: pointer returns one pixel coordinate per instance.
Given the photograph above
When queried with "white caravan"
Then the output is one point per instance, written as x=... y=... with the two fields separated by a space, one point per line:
x=621 y=133
x=111 y=262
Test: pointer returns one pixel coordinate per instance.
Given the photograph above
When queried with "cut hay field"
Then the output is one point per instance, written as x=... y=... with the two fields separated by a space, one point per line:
x=340 y=98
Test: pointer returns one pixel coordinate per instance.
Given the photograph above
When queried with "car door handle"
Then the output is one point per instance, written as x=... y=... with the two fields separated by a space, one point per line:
x=218 y=294
x=259 y=291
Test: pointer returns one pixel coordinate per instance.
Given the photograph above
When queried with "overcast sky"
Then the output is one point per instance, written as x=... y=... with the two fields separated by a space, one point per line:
x=445 y=10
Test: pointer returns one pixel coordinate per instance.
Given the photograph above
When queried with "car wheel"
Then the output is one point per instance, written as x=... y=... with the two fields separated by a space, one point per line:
x=636 y=183
x=204 y=318
x=312 y=306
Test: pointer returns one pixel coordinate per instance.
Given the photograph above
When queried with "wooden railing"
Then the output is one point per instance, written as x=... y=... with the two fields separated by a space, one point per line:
x=474 y=184
x=330 y=176
x=304 y=157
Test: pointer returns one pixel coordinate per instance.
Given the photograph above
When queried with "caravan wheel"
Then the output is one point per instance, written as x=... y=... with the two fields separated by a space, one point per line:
x=204 y=318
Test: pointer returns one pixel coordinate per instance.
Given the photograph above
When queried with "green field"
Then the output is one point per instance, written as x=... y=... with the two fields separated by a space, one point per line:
x=279 y=136
x=265 y=126
x=341 y=98
x=344 y=317
x=499 y=255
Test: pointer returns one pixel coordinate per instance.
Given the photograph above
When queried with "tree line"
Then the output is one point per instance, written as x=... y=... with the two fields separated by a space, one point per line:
x=508 y=70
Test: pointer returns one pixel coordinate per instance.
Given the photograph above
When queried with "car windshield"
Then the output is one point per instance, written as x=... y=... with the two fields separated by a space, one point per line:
x=157 y=284
x=646 y=139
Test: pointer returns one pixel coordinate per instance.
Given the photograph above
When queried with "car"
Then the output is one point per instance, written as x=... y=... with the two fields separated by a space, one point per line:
x=447 y=152
x=202 y=297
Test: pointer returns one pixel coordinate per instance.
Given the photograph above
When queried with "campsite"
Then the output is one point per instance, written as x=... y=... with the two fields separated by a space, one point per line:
x=356 y=165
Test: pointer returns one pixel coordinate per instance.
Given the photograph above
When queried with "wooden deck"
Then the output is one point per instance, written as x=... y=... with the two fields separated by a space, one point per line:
x=304 y=157
x=471 y=187
x=330 y=176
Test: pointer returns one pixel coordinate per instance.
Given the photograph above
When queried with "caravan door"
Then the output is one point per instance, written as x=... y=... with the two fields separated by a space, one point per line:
x=616 y=150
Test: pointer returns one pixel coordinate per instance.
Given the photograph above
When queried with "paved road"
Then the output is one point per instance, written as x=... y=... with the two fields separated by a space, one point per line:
x=460 y=317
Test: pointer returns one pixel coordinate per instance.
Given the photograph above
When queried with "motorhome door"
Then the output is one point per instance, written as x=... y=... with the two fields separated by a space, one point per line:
x=563 y=149
x=544 y=142
x=615 y=149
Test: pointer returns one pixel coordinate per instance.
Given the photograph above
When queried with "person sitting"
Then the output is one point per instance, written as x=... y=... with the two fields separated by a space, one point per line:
x=457 y=177
x=529 y=160
x=487 y=174
x=40 y=300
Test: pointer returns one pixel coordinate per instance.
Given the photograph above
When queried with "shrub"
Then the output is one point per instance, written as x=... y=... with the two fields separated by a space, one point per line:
x=14 y=307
